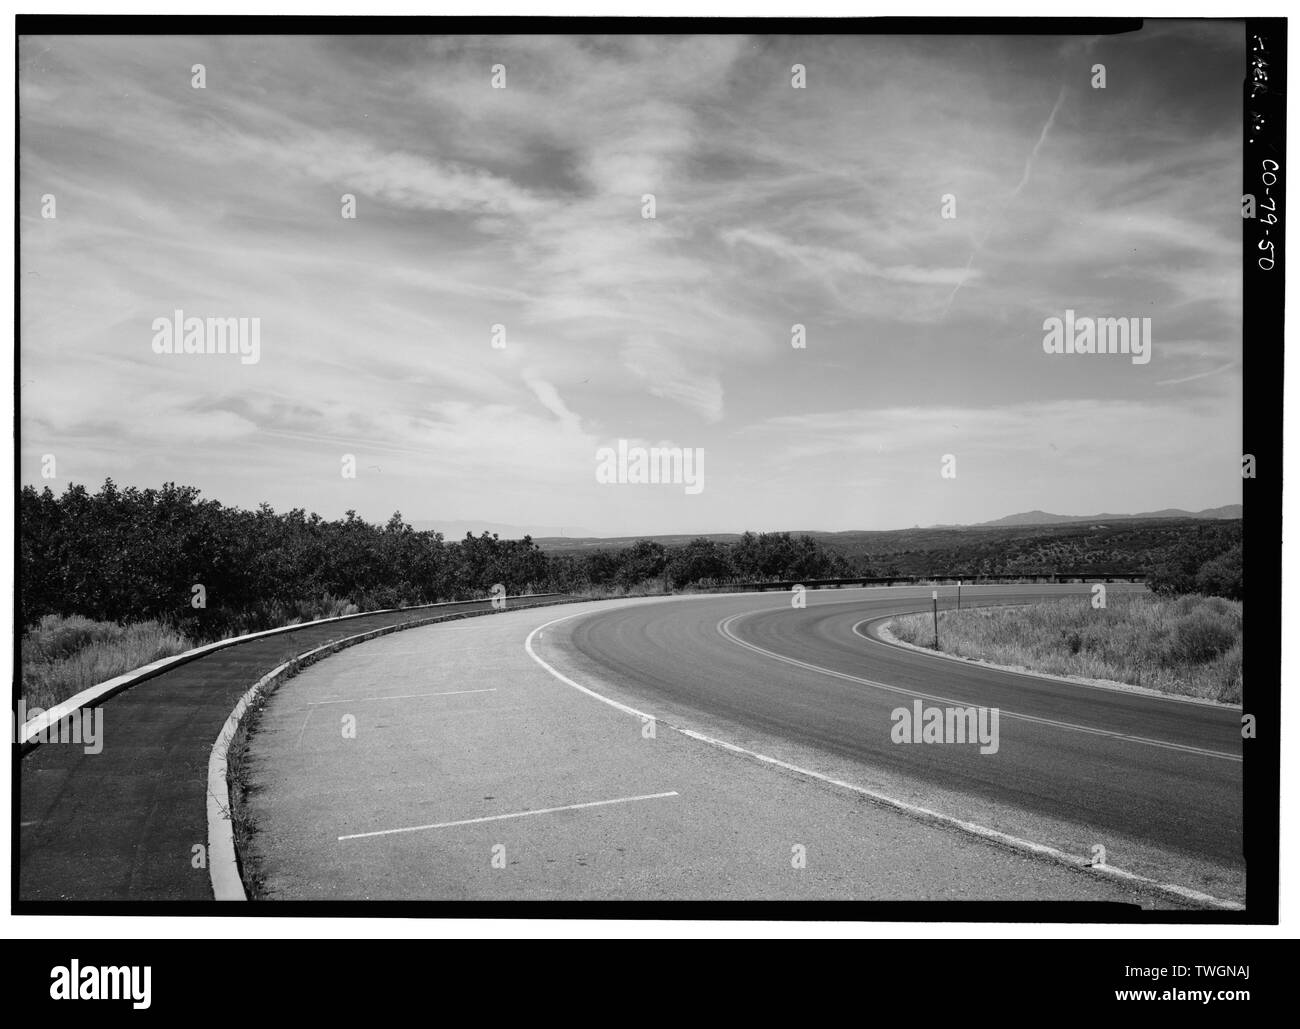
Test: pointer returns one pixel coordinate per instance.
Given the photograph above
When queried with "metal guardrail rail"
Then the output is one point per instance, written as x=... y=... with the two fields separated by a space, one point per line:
x=941 y=579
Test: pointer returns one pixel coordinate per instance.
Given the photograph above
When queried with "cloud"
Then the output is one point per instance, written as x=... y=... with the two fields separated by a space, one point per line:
x=523 y=207
x=665 y=374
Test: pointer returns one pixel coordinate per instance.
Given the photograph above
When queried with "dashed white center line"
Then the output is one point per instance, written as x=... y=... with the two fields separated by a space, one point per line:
x=514 y=814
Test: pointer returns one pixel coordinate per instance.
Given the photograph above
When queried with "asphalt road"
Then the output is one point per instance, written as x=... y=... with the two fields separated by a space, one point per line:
x=122 y=824
x=466 y=736
x=1153 y=777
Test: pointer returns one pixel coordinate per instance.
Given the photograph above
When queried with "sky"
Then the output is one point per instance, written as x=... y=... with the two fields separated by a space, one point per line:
x=523 y=207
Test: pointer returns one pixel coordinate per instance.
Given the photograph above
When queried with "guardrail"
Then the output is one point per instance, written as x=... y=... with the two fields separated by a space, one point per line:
x=941 y=579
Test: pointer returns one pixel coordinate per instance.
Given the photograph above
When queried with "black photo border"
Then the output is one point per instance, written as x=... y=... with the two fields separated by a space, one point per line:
x=1264 y=138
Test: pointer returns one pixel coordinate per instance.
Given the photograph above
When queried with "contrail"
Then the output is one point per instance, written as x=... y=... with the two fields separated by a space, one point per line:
x=1198 y=375
x=1024 y=181
x=1029 y=162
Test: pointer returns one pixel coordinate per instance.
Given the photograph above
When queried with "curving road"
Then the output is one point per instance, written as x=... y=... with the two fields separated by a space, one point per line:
x=1157 y=780
x=410 y=806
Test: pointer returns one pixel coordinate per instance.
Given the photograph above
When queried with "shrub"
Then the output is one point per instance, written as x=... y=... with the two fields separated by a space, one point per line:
x=1186 y=645
x=63 y=656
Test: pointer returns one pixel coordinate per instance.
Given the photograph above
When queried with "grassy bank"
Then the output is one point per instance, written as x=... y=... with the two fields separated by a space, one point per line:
x=1189 y=645
x=63 y=656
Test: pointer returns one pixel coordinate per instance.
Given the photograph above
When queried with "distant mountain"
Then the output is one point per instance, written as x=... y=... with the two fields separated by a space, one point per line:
x=1045 y=518
x=575 y=537
x=1227 y=511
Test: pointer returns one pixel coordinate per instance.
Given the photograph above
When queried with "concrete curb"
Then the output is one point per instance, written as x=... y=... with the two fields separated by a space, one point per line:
x=34 y=727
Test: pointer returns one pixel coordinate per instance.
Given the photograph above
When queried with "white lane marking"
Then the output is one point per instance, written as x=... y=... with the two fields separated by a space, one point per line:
x=1040 y=849
x=528 y=646
x=310 y=712
x=514 y=814
x=1039 y=676
x=403 y=696
x=724 y=629
x=902 y=806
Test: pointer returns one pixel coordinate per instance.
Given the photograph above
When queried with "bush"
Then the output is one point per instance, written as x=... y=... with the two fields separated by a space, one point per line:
x=701 y=560
x=644 y=559
x=123 y=555
x=1201 y=636
x=1199 y=565
x=1221 y=576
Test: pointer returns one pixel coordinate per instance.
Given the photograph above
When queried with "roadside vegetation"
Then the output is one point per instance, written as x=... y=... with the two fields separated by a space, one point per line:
x=1185 y=645
x=124 y=555
x=111 y=580
x=61 y=656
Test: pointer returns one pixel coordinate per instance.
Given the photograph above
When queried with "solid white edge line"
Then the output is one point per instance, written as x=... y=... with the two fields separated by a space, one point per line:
x=513 y=814
x=923 y=814
x=528 y=646
x=724 y=630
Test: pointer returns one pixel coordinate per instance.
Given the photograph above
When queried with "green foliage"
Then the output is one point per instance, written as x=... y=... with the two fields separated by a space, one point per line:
x=1202 y=563
x=780 y=556
x=1221 y=576
x=1087 y=549
x=701 y=561
x=644 y=559
x=124 y=555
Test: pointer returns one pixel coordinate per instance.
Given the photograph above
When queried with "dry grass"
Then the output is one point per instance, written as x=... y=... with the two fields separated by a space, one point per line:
x=63 y=656
x=1189 y=646
x=613 y=591
x=275 y=614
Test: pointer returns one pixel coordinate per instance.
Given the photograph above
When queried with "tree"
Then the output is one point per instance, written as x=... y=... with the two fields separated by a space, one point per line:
x=699 y=560
x=644 y=559
x=1221 y=576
